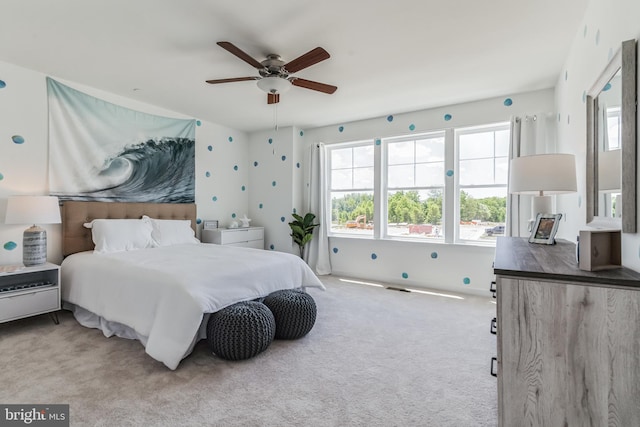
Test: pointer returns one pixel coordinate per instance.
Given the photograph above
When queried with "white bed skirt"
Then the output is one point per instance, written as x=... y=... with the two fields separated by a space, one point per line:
x=91 y=320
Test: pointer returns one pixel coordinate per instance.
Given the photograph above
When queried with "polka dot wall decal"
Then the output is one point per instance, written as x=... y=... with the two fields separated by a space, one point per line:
x=10 y=245
x=584 y=32
x=255 y=163
x=233 y=215
x=260 y=206
x=405 y=276
x=282 y=219
x=295 y=210
x=1 y=177
x=235 y=167
x=198 y=221
x=214 y=198
x=558 y=116
x=434 y=255
x=508 y=102
x=606 y=87
x=389 y=118
x=449 y=173
x=568 y=119
x=243 y=188
x=378 y=142
x=298 y=165
x=207 y=174
x=301 y=133
x=2 y=84
x=230 y=139
x=374 y=256
x=466 y=281
x=335 y=250
x=597 y=37
x=210 y=148
x=273 y=184
x=447 y=117
x=270 y=140
x=566 y=75
x=17 y=139
x=584 y=96
x=341 y=129
x=272 y=247
x=579 y=201
x=412 y=127
x=610 y=54
x=198 y=123
x=284 y=158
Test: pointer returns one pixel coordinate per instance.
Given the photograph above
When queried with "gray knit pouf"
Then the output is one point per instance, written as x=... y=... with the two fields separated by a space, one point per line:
x=294 y=311
x=241 y=331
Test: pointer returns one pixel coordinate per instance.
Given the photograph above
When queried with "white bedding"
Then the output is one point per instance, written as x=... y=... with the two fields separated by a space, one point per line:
x=163 y=293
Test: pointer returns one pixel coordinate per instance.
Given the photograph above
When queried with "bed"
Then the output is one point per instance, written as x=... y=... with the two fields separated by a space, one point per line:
x=161 y=295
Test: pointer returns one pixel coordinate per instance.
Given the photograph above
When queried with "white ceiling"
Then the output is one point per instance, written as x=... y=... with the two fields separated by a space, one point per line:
x=386 y=57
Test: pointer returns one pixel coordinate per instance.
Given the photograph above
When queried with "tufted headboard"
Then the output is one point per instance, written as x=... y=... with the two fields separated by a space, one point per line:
x=77 y=238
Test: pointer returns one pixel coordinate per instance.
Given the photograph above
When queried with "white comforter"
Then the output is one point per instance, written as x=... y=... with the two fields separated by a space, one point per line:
x=163 y=293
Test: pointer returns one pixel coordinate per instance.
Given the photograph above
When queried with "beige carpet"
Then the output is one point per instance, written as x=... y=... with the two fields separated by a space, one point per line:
x=375 y=357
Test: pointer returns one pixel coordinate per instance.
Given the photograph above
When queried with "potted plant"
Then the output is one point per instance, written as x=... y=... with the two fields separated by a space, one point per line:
x=302 y=230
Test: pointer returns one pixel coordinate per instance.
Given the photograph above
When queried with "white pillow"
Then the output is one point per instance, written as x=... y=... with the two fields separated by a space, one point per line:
x=115 y=235
x=167 y=232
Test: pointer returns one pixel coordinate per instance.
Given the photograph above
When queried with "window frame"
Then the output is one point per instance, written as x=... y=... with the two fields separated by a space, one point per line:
x=450 y=189
x=493 y=127
x=384 y=187
x=330 y=190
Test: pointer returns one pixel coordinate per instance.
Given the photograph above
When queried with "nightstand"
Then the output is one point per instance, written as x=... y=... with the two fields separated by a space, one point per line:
x=30 y=291
x=249 y=237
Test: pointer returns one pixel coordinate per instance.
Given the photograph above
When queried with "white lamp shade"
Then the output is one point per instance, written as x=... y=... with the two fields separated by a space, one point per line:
x=543 y=174
x=32 y=210
x=274 y=84
x=609 y=175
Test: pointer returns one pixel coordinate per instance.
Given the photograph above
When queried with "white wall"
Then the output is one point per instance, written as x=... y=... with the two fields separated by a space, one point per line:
x=275 y=178
x=606 y=24
x=460 y=268
x=24 y=167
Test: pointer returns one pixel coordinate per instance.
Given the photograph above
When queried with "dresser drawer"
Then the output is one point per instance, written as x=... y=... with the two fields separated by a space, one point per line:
x=235 y=236
x=29 y=304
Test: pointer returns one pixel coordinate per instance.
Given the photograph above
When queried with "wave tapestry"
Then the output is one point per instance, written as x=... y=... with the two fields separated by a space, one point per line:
x=104 y=152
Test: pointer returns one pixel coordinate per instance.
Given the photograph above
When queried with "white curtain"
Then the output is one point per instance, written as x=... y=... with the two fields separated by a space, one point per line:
x=529 y=135
x=318 y=251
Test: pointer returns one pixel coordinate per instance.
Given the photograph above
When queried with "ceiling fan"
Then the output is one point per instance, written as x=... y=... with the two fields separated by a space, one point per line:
x=275 y=75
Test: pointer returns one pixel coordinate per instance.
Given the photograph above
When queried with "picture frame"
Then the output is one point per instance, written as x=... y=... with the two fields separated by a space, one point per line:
x=545 y=228
x=209 y=224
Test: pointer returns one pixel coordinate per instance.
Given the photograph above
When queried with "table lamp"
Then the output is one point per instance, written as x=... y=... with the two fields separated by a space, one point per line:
x=33 y=210
x=542 y=175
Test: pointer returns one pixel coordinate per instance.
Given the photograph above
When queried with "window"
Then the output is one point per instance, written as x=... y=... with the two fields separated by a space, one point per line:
x=415 y=186
x=483 y=171
x=446 y=186
x=351 y=188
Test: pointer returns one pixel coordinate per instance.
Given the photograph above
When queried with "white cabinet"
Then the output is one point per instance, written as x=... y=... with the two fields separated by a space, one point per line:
x=29 y=291
x=251 y=237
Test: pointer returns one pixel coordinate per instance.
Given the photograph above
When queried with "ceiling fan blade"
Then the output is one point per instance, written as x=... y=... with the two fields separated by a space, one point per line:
x=231 y=80
x=308 y=59
x=273 y=98
x=309 y=84
x=231 y=48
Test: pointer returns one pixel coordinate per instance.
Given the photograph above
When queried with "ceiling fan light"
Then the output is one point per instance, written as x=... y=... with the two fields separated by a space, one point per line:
x=274 y=84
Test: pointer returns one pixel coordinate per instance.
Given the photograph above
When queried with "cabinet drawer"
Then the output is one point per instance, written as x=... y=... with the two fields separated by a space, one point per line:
x=29 y=304
x=234 y=236
x=255 y=234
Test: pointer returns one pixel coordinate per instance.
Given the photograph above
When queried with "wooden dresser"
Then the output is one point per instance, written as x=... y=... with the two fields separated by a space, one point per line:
x=568 y=340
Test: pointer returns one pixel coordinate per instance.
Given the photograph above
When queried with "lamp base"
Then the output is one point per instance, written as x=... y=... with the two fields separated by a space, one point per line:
x=34 y=246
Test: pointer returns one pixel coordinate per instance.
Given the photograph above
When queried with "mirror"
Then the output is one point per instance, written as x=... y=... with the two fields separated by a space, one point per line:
x=611 y=143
